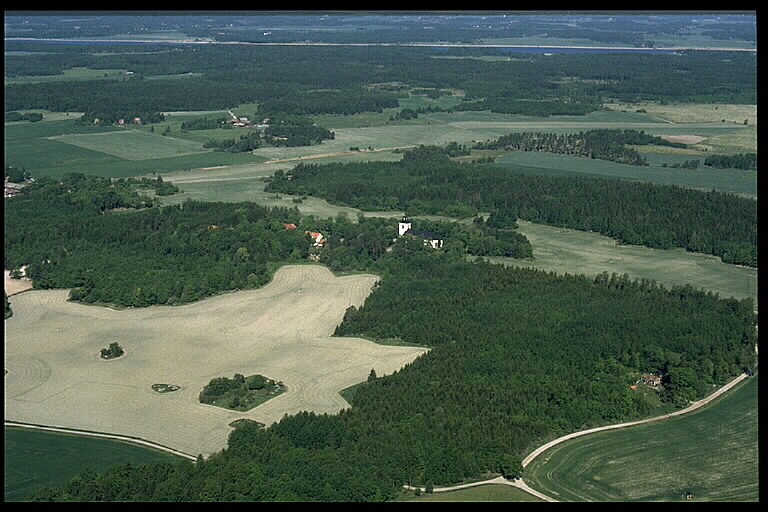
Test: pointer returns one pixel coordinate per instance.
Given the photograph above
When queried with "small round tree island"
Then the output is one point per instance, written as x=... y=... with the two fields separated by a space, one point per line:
x=113 y=351
x=240 y=393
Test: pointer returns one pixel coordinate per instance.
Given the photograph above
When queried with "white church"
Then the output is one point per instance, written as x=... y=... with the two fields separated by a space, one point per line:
x=430 y=239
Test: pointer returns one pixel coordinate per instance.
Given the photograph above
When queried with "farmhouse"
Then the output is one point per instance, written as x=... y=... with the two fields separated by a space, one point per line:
x=650 y=379
x=317 y=238
x=289 y=226
x=430 y=239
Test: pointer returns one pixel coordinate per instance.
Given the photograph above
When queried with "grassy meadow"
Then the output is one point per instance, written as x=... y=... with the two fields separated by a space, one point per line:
x=705 y=178
x=56 y=146
x=712 y=453
x=576 y=252
x=72 y=74
x=34 y=459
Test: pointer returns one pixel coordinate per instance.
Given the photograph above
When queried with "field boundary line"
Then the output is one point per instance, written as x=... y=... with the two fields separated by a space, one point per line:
x=129 y=439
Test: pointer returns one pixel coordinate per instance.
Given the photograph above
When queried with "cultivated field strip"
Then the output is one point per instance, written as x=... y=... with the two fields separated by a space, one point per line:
x=283 y=331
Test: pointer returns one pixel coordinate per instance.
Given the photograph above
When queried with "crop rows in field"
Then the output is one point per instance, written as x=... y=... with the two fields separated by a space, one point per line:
x=711 y=453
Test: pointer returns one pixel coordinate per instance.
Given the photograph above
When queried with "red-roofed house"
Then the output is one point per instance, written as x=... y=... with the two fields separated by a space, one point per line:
x=317 y=237
x=289 y=226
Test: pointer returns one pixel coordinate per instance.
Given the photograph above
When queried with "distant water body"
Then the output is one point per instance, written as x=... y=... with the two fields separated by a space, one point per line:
x=539 y=49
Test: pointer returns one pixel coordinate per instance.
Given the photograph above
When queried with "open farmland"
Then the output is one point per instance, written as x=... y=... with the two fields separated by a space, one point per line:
x=712 y=453
x=133 y=144
x=55 y=375
x=735 y=181
x=576 y=252
x=56 y=146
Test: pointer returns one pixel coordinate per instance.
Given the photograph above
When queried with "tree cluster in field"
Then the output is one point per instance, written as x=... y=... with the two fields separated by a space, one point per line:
x=246 y=142
x=426 y=182
x=297 y=132
x=404 y=114
x=112 y=116
x=113 y=351
x=32 y=117
x=518 y=356
x=513 y=105
x=161 y=188
x=745 y=161
x=603 y=144
x=239 y=392
x=290 y=131
x=205 y=123
x=16 y=174
x=687 y=164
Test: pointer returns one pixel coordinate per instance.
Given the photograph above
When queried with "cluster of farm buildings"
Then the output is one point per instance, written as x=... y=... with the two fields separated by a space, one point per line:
x=649 y=379
x=404 y=229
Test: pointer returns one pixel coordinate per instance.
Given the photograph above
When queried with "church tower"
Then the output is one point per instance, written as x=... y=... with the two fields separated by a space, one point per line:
x=404 y=226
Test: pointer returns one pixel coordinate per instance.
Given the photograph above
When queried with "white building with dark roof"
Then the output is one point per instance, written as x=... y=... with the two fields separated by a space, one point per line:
x=431 y=239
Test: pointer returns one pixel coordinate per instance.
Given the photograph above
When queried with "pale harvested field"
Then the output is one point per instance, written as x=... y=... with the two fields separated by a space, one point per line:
x=283 y=330
x=13 y=286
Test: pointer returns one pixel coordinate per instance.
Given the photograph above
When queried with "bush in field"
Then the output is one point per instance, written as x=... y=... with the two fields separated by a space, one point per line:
x=114 y=350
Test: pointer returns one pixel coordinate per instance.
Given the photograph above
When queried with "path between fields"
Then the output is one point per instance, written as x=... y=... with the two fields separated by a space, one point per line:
x=520 y=484
x=337 y=153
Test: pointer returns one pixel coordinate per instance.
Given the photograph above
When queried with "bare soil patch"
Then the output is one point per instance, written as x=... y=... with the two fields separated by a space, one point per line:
x=13 y=286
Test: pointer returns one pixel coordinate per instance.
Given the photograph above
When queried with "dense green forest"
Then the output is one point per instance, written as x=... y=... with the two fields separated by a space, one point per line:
x=745 y=161
x=425 y=181
x=518 y=356
x=603 y=144
x=101 y=238
x=337 y=79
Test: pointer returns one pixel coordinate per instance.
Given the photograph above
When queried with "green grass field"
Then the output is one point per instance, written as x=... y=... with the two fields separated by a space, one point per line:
x=577 y=252
x=131 y=144
x=726 y=180
x=72 y=74
x=58 y=146
x=712 y=453
x=34 y=459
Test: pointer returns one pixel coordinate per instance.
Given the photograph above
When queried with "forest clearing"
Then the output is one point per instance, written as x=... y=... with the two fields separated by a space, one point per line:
x=55 y=375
